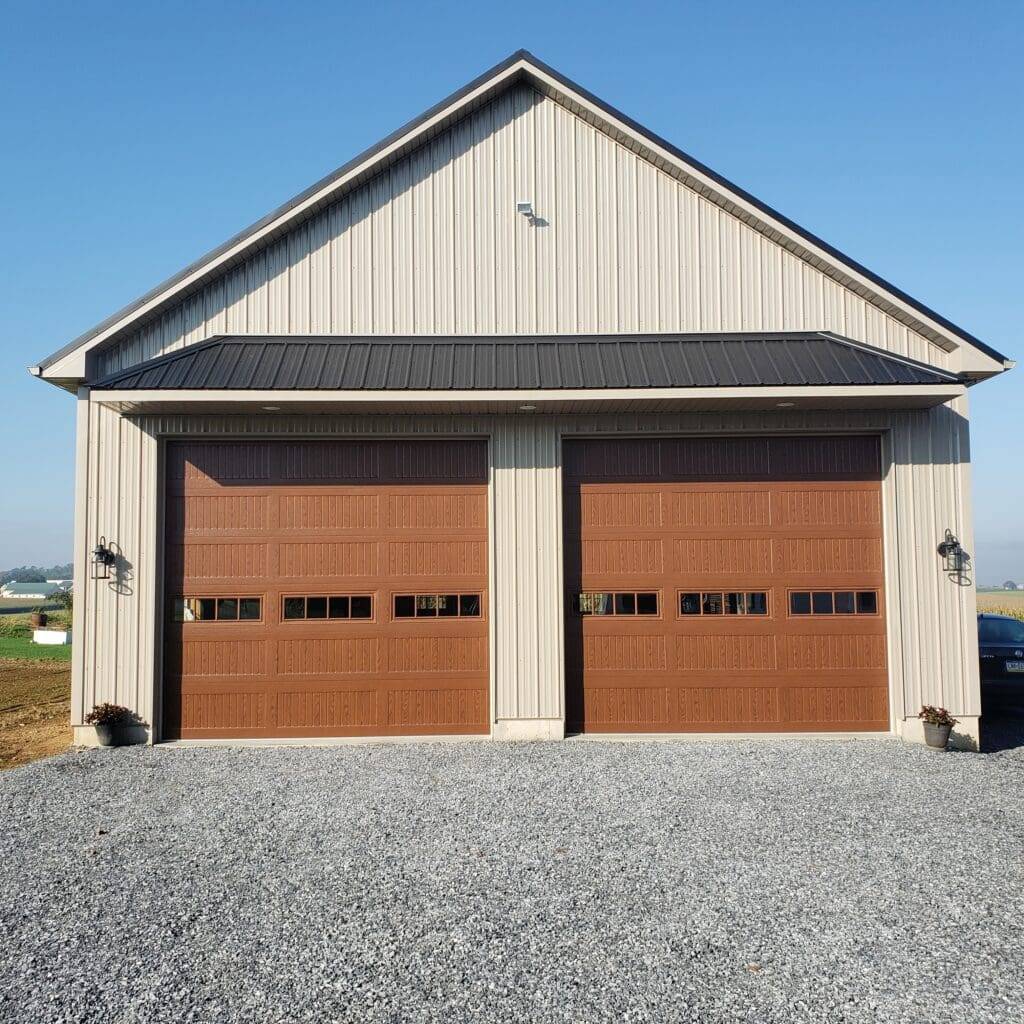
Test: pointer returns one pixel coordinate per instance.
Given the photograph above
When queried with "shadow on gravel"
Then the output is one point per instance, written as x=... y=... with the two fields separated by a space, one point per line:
x=1002 y=725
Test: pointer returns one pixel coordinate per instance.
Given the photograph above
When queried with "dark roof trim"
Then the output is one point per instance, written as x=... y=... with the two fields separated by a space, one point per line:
x=489 y=363
x=454 y=98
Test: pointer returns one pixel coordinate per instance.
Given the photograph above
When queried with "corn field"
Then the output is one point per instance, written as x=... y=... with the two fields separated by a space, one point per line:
x=1002 y=602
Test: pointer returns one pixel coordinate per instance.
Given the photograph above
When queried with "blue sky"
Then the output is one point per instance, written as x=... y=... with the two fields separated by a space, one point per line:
x=137 y=136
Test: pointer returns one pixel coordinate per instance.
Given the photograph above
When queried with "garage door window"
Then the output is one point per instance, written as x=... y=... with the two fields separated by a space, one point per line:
x=833 y=602
x=728 y=602
x=433 y=606
x=629 y=602
x=327 y=606
x=217 y=609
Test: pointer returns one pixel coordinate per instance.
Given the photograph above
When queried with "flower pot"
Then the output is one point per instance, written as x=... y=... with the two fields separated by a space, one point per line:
x=937 y=735
x=38 y=620
x=108 y=735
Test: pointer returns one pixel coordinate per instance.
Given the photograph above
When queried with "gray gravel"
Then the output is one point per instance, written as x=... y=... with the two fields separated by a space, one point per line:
x=781 y=880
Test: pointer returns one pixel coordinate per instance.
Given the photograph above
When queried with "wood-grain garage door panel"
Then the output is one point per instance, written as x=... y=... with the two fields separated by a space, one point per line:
x=273 y=519
x=763 y=515
x=336 y=512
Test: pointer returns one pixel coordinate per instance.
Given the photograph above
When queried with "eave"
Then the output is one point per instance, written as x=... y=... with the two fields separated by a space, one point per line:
x=542 y=400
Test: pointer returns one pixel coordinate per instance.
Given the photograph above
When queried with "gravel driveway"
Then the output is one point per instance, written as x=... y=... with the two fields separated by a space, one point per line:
x=784 y=880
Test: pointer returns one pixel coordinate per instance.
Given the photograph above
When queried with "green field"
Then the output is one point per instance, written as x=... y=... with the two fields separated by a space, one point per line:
x=22 y=647
x=16 y=637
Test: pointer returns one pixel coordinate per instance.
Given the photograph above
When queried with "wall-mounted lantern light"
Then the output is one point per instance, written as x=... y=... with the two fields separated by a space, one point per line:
x=951 y=553
x=102 y=559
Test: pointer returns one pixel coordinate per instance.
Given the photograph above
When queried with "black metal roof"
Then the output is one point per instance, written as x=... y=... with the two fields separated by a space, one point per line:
x=248 y=363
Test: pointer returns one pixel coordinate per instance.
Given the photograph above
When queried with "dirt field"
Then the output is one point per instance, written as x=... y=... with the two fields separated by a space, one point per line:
x=34 y=710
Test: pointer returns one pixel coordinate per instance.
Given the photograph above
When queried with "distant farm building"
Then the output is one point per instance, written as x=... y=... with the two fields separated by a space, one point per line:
x=29 y=591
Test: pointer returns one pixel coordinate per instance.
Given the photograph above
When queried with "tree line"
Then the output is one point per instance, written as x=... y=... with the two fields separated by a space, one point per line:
x=35 y=574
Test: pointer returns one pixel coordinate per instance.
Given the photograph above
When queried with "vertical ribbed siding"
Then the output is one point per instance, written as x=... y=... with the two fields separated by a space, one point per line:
x=967 y=611
x=937 y=637
x=114 y=655
x=527 y=568
x=433 y=245
x=932 y=636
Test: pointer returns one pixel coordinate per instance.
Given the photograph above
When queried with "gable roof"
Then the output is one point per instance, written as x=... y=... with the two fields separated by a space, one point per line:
x=292 y=363
x=522 y=65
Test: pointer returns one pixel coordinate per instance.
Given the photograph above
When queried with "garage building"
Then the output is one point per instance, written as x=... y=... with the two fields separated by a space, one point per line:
x=523 y=423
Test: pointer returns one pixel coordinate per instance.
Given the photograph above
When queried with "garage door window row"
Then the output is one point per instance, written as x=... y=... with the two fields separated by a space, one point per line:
x=217 y=609
x=731 y=602
x=630 y=602
x=833 y=602
x=432 y=606
x=336 y=606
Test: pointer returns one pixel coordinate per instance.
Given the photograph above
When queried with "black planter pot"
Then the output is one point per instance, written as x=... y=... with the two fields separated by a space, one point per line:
x=937 y=735
x=106 y=735
x=114 y=735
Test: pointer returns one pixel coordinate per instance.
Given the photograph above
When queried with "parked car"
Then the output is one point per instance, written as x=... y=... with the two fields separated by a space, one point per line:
x=1001 y=652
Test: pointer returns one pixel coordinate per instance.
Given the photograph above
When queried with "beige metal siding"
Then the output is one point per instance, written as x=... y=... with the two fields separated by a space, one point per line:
x=433 y=246
x=932 y=637
x=526 y=538
x=116 y=498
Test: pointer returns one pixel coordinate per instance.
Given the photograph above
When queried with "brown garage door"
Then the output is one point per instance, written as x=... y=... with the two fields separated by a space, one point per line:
x=325 y=588
x=724 y=584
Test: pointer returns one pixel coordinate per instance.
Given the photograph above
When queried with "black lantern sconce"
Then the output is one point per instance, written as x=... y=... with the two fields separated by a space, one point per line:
x=102 y=559
x=952 y=554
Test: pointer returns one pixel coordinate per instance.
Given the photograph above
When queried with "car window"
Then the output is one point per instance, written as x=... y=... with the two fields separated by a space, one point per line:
x=1000 y=631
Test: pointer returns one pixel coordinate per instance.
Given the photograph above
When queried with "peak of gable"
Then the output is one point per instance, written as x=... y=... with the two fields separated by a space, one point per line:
x=420 y=235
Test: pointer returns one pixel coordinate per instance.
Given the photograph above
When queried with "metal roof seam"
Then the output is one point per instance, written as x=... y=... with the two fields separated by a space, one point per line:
x=862 y=346
x=822 y=376
x=346 y=355
x=318 y=377
x=664 y=362
x=834 y=360
x=712 y=373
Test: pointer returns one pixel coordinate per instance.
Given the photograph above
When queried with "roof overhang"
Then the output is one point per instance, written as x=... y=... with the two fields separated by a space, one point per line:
x=898 y=396
x=68 y=366
x=327 y=363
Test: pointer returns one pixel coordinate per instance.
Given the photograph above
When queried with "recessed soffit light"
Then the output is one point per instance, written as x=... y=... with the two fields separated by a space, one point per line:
x=784 y=405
